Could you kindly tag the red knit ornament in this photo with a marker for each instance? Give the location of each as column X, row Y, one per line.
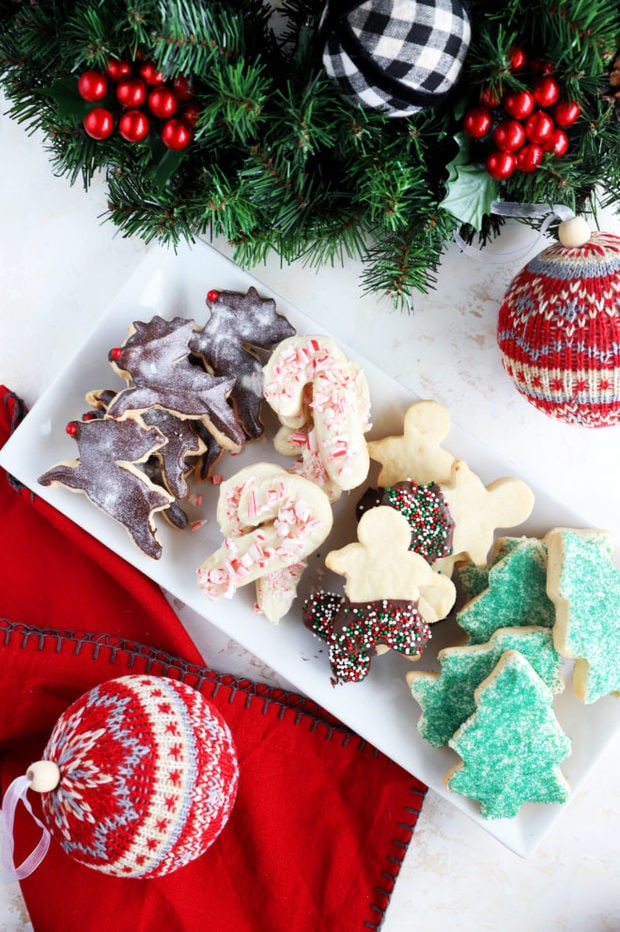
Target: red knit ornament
column 148, row 776
column 559, row 331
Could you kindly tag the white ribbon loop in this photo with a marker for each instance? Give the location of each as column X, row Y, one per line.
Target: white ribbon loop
column 17, row 791
column 547, row 212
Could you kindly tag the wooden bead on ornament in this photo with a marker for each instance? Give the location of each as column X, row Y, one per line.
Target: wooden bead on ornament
column 393, row 55
column 559, row 328
column 138, row 778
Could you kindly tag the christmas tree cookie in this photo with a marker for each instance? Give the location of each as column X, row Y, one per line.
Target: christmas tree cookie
column 473, row 578
column 447, row 698
column 512, row 745
column 584, row 586
column 516, row 594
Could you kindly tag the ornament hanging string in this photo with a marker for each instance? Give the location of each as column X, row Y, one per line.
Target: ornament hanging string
column 547, row 212
column 17, row 791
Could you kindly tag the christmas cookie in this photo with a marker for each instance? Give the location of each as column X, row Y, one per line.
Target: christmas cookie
column 516, row 594
column 447, row 698
column 391, row 597
column 107, row 472
column 424, row 506
column 584, row 586
column 239, row 326
column 155, row 362
column 474, row 579
column 273, row 520
column 512, row 745
column 417, row 454
column 322, row 401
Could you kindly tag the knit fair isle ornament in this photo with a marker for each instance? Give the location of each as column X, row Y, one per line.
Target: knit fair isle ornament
column 138, row 778
column 396, row 56
column 559, row 328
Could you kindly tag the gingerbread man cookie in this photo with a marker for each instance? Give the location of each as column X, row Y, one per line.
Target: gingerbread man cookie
column 391, row 597
column 417, row 453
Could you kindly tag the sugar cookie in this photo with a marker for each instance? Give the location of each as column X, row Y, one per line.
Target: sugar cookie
column 321, row 398
column 417, row 454
column 516, row 594
column 155, row 362
column 272, row 520
column 107, row 473
column 512, row 745
column 584, row 586
column 447, row 698
column 239, row 325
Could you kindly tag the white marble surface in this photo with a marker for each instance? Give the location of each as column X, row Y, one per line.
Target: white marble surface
column 59, row 269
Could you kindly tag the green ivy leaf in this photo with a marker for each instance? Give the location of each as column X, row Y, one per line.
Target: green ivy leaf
column 70, row 105
column 470, row 190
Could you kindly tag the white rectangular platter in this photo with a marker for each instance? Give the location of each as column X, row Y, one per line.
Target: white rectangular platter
column 380, row 709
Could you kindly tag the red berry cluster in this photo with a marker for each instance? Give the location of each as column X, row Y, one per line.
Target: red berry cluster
column 523, row 124
column 143, row 94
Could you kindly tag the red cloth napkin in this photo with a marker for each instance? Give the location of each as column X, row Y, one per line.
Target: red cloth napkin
column 322, row 820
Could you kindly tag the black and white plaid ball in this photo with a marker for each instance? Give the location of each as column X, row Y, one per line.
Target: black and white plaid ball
column 398, row 56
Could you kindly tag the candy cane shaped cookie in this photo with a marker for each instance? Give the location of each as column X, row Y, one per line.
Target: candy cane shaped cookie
column 273, row 520
column 322, row 401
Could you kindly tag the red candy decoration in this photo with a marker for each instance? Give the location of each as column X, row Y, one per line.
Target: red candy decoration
column 92, row 86
column 212, row 296
column 115, row 353
column 163, row 102
column 72, row 429
column 509, row 135
column 131, row 92
column 519, row 104
column 134, row 126
column 539, row 126
column 176, row 133
column 500, row 165
column 98, row 123
column 566, row 112
column 477, row 122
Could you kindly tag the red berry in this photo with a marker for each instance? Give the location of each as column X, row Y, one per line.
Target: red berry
column 518, row 59
column 98, row 123
column 72, row 429
column 117, row 69
column 133, row 126
column 115, row 353
column 489, row 98
column 539, row 126
column 557, row 142
column 542, row 66
column 518, row 104
column 92, row 86
column 191, row 112
column 212, row 296
column 163, row 102
column 477, row 122
column 501, row 165
column 182, row 87
column 546, row 91
column 131, row 92
column 176, row 133
column 566, row 112
column 509, row 135
column 149, row 73
column 529, row 157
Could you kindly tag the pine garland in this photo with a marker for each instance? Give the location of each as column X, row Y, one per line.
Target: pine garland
column 279, row 161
